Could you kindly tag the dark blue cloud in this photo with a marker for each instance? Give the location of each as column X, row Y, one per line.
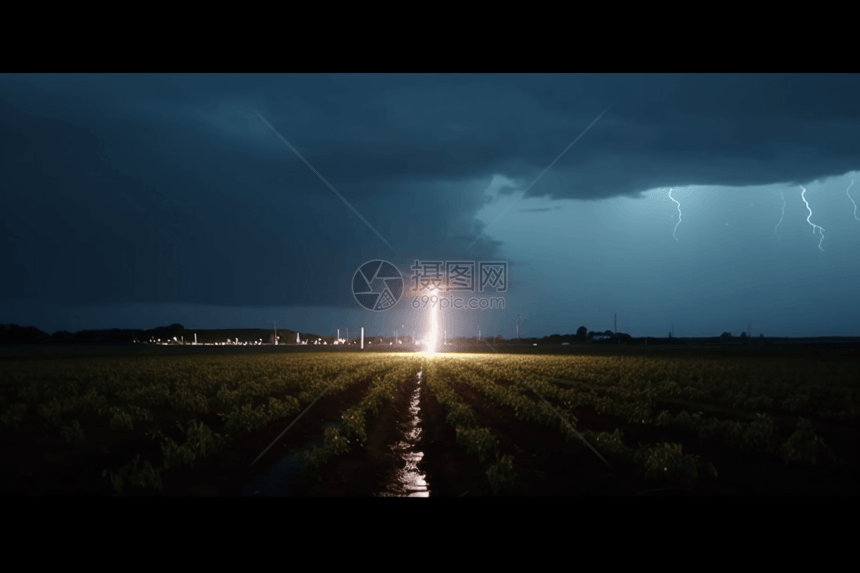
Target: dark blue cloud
column 169, row 188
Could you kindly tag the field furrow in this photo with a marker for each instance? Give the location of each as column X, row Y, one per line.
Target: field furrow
column 458, row 424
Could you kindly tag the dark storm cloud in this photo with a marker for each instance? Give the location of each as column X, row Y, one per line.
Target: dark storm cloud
column 169, row 188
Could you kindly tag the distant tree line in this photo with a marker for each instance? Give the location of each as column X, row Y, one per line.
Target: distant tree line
column 14, row 334
column 174, row 333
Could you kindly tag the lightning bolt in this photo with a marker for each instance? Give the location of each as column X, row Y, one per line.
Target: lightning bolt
column 814, row 226
column 852, row 200
column 679, row 213
column 783, row 212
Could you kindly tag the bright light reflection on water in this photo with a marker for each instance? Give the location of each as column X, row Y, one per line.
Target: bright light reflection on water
column 409, row 482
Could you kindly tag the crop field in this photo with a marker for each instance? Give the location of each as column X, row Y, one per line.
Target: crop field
column 409, row 424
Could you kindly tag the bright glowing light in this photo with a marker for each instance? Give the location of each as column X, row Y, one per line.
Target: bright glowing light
column 434, row 331
column 783, row 212
column 679, row 213
column 852, row 200
column 814, row 226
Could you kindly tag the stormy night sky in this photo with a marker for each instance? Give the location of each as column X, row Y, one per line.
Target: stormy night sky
column 232, row 201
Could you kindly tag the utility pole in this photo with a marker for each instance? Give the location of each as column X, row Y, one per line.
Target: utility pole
column 616, row 329
column 276, row 333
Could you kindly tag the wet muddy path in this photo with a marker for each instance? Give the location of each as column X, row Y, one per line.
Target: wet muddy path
column 384, row 465
column 409, row 481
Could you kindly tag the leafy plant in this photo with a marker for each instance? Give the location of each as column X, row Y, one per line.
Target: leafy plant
column 14, row 415
column 335, row 443
column 51, row 412
column 795, row 402
column 684, row 421
column 709, row 428
column 201, row 440
column 804, row 446
column 460, row 416
column 353, row 424
column 185, row 400
column 147, row 396
column 760, row 433
column 73, row 433
column 667, row 460
column 501, row 474
column 146, row 476
column 478, row 441
column 121, row 419
column 312, row 461
column 612, row 444
column 245, row 419
column 177, row 455
column 30, row 393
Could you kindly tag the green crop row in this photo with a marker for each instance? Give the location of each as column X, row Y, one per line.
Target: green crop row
column 657, row 461
column 246, row 419
column 127, row 392
column 826, row 389
column 636, row 406
column 337, row 439
column 803, row 446
column 14, row 415
column 477, row 441
column 200, row 442
column 662, row 461
column 514, row 396
column 145, row 476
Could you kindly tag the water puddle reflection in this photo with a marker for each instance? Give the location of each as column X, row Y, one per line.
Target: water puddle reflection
column 408, row 482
